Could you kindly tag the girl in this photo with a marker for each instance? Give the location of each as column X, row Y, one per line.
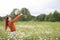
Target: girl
column 10, row 23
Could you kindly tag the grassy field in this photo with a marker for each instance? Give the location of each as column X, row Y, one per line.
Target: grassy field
column 33, row 31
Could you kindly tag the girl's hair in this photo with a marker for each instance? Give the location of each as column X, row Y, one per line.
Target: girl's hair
column 6, row 21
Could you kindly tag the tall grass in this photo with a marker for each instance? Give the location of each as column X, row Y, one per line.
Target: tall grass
column 32, row 30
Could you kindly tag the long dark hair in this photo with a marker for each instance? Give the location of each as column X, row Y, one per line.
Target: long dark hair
column 6, row 21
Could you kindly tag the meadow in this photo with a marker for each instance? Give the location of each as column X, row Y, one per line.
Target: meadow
column 32, row 30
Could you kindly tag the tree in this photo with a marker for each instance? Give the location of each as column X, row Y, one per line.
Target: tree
column 26, row 13
column 41, row 17
column 13, row 13
column 1, row 18
column 33, row 18
column 49, row 17
column 56, row 16
column 53, row 16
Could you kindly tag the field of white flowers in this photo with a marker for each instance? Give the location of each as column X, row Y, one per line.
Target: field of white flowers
column 32, row 31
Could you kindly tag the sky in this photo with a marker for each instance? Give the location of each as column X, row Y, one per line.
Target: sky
column 35, row 7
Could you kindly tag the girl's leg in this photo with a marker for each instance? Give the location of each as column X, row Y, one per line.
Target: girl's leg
column 13, row 34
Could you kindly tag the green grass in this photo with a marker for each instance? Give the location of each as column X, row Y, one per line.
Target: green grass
column 33, row 30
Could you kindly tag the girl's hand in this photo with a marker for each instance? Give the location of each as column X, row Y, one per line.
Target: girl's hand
column 20, row 14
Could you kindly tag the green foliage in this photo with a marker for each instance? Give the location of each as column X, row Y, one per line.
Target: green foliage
column 1, row 18
column 27, row 16
column 56, row 16
column 53, row 17
column 48, row 17
column 41, row 17
column 13, row 13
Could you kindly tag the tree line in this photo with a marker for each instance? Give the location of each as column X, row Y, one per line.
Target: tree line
column 52, row 17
